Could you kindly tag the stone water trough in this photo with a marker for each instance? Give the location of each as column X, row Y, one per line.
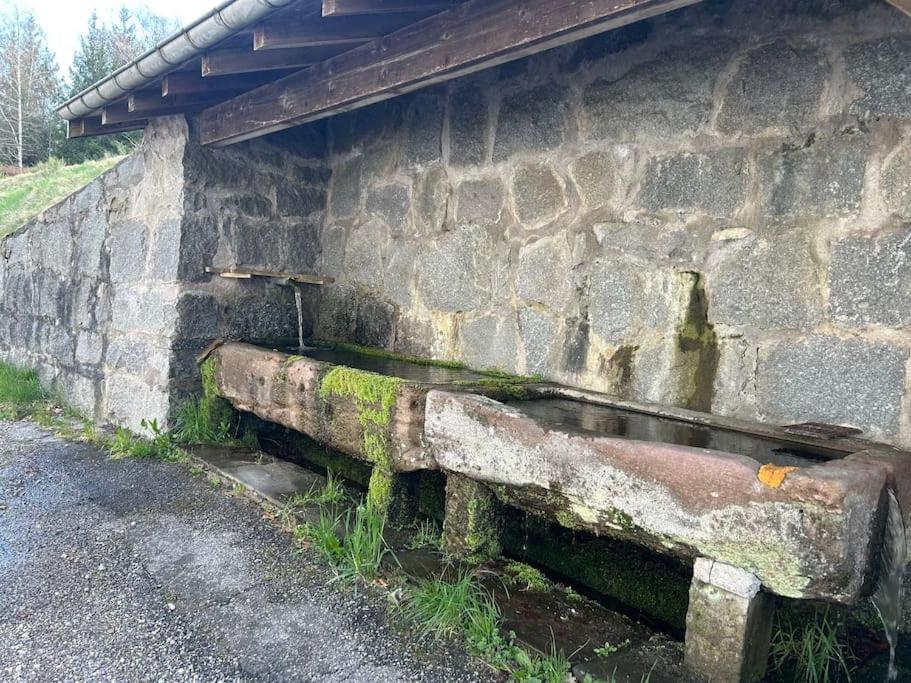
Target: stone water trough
column 760, row 511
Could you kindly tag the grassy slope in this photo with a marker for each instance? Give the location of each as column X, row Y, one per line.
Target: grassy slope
column 25, row 196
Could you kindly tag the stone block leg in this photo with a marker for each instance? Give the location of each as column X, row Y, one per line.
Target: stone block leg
column 471, row 528
column 728, row 624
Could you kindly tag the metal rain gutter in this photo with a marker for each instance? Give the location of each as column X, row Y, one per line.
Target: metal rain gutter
column 225, row 20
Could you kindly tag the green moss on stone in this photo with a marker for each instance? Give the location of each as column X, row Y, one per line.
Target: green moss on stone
column 648, row 585
column 374, row 397
column 697, row 349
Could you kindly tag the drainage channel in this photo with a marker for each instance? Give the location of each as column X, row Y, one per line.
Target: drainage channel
column 545, row 611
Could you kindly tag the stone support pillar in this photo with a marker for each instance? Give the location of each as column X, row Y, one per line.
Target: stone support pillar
column 471, row 528
column 728, row 624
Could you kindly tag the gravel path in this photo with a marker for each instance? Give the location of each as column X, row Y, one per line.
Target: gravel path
column 140, row 571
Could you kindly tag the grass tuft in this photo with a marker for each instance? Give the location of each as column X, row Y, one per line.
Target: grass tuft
column 426, row 536
column 812, row 651
column 20, row 391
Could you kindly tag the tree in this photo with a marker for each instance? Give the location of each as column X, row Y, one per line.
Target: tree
column 29, row 86
column 103, row 48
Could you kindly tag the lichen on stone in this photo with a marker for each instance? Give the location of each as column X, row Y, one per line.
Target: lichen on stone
column 774, row 476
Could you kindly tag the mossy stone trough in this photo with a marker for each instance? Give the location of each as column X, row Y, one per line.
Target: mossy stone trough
column 758, row 510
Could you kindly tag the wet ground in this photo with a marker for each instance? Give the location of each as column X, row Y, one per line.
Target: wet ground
column 138, row 570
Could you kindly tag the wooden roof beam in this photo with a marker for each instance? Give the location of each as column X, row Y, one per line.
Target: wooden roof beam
column 92, row 126
column 181, row 83
column 288, row 30
column 150, row 102
column 242, row 61
column 474, row 36
column 340, row 8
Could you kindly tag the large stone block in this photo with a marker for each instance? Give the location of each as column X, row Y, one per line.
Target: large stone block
column 870, row 280
column 544, row 273
column 145, row 358
column 879, row 68
column 776, row 86
column 597, row 177
column 468, row 126
column 89, row 348
column 399, row 272
column 391, row 204
column 533, row 121
column 266, row 314
column 197, row 319
column 300, row 241
column 431, row 200
column 345, row 200
column 824, row 179
column 90, row 234
column 896, row 181
column 490, row 343
column 424, row 129
column 668, row 98
column 198, row 246
column 480, row 202
column 713, row 182
column 538, row 333
column 765, row 283
column 829, row 379
column 456, row 272
column 628, row 297
column 150, row 310
column 538, row 193
column 128, row 401
column 128, row 244
column 165, row 245
column 364, row 254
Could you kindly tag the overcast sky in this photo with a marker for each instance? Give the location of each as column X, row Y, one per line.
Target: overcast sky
column 64, row 20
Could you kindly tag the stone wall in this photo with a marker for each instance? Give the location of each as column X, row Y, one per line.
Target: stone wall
column 710, row 209
column 106, row 293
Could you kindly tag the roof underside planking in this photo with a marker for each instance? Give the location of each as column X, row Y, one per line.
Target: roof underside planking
column 314, row 58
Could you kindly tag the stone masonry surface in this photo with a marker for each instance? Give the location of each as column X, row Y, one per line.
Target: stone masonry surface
column 709, row 209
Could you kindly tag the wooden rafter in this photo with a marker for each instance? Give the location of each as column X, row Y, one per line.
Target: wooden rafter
column 150, row 103
column 194, row 83
column 338, row 8
column 288, row 30
column 91, row 126
column 474, row 36
column 242, row 60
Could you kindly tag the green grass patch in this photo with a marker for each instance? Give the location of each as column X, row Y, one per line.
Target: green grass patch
column 20, row 391
column 463, row 609
column 812, row 650
column 24, row 196
column 427, row 536
column 358, row 551
column 160, row 446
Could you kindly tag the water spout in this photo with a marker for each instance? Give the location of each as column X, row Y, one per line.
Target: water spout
column 889, row 593
column 300, row 316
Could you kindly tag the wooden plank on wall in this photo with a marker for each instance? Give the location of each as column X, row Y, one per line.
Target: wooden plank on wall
column 475, row 36
column 338, row 8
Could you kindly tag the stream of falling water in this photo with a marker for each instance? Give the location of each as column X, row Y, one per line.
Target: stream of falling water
column 300, row 316
column 888, row 596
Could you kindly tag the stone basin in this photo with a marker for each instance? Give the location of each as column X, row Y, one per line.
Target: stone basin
column 364, row 403
column 803, row 515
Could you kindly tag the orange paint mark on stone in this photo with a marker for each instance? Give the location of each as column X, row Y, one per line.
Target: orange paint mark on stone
column 774, row 475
